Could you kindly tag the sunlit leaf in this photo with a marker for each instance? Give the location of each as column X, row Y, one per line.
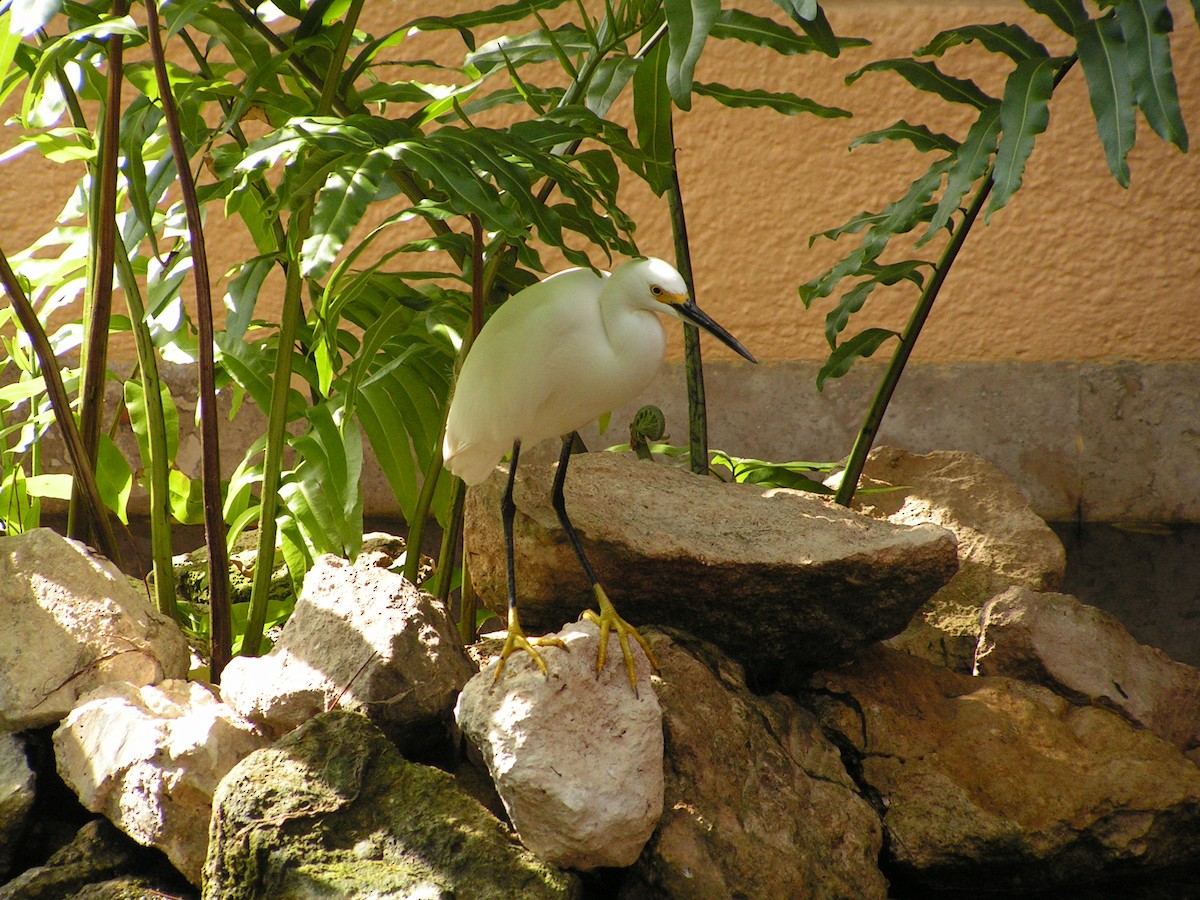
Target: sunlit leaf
column 652, row 115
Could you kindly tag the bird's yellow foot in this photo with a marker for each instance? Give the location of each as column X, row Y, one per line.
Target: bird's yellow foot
column 608, row 620
column 516, row 640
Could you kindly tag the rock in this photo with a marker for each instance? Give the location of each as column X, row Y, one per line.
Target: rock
column 16, row 796
column 576, row 758
column 1001, row 542
column 334, row 810
column 69, row 621
column 992, row 781
column 1087, row 656
column 150, row 759
column 782, row 581
column 361, row 638
column 757, row 801
column 98, row 853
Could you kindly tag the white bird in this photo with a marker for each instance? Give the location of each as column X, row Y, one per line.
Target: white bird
column 556, row 356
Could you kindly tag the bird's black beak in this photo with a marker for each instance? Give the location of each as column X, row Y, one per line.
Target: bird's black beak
column 690, row 312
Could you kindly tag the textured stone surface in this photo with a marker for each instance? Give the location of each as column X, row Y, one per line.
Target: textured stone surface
column 16, row 795
column 1001, row 541
column 69, row 621
column 783, row 582
column 576, row 758
column 97, row 854
column 333, row 810
column 757, row 801
column 995, row 781
column 150, row 759
column 1087, row 656
column 361, row 638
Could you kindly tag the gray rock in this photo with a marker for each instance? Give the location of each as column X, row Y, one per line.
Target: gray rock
column 577, row 758
column 1087, row 656
column 361, row 638
column 16, row 796
column 992, row 781
column 757, row 801
column 150, row 759
column 333, row 810
column 97, row 854
column 69, row 621
column 783, row 582
column 1001, row 541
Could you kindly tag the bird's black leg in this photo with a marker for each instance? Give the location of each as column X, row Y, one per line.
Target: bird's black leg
column 516, row 639
column 607, row 619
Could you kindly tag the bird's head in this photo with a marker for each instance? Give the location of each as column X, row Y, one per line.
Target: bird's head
column 656, row 285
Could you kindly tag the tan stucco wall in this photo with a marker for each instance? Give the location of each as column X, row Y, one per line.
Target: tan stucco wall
column 1077, row 268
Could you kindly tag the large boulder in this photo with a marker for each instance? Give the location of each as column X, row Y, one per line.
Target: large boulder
column 1002, row 542
column 758, row 803
column 16, row 796
column 992, row 781
column 362, row 638
column 782, row 581
column 334, row 810
column 69, row 622
column 576, row 757
column 150, row 758
column 1086, row 655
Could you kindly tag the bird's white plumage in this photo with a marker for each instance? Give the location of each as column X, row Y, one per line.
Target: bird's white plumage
column 555, row 357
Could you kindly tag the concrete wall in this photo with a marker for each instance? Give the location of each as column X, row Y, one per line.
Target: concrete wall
column 1064, row 346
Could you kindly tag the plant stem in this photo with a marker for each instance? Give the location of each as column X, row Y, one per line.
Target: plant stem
column 159, row 471
column 693, row 366
column 85, row 476
column 98, row 305
column 214, row 523
column 908, row 340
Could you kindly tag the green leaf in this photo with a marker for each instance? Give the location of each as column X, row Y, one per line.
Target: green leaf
column 135, row 402
column 608, row 81
column 1024, row 114
column 30, row 15
column 760, row 31
column 496, row 15
column 918, row 135
column 817, row 27
column 688, row 24
column 1011, row 40
column 186, row 497
column 1105, row 60
column 788, row 104
column 534, row 47
column 1066, row 14
column 970, row 163
column 340, row 206
column 114, row 478
column 1146, row 25
column 852, row 301
column 926, row 76
column 57, row 487
column 652, row 115
column 863, row 344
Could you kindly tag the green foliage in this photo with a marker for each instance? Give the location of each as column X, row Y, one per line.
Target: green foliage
column 1124, row 52
column 301, row 129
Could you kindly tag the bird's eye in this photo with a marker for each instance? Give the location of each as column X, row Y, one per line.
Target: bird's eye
column 655, row 290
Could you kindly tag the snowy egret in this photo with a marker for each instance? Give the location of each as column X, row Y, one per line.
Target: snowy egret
column 556, row 356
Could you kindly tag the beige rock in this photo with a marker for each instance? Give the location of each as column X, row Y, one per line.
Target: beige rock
column 1086, row 655
column 784, row 582
column 998, row 782
column 757, row 801
column 576, row 758
column 150, row 759
column 1001, row 541
column 69, row 621
column 362, row 638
